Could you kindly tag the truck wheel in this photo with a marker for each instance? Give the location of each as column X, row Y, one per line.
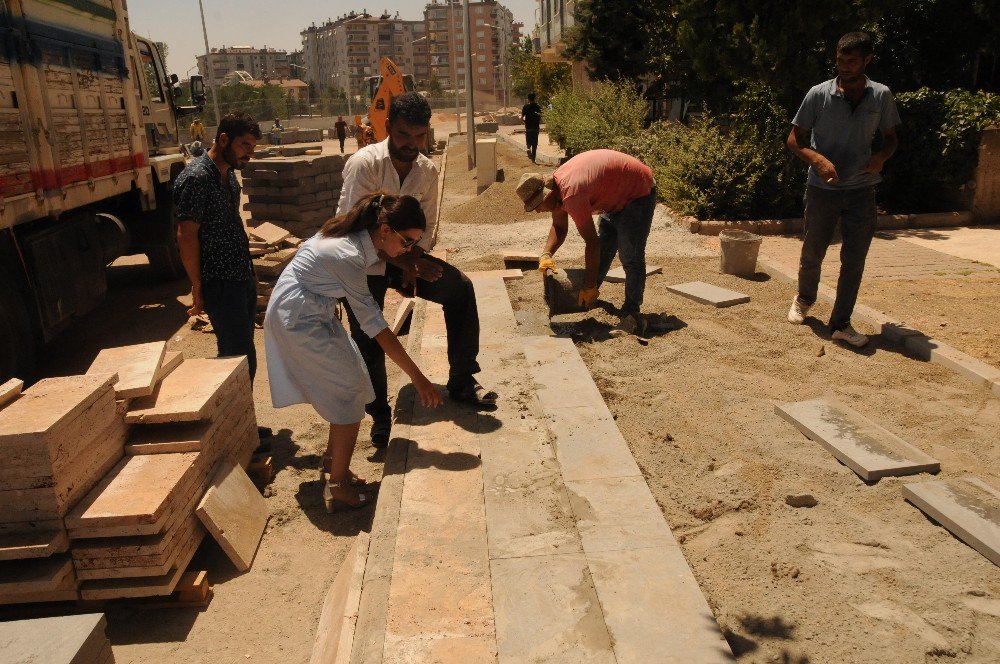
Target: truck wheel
column 164, row 256
column 17, row 338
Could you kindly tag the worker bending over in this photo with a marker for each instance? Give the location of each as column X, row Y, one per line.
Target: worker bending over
column 619, row 187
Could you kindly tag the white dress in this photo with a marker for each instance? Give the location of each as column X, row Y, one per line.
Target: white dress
column 311, row 358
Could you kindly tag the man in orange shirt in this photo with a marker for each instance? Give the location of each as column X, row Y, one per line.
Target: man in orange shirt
column 622, row 190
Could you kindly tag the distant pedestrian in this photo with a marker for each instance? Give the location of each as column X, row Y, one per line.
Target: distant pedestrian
column 197, row 131
column 341, row 128
column 622, row 190
column 531, row 115
column 845, row 115
column 275, row 132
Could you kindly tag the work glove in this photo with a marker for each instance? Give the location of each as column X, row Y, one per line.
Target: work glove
column 587, row 297
column 546, row 263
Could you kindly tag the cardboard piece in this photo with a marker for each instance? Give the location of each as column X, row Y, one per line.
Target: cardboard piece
column 235, row 514
column 704, row 293
column 968, row 508
column 868, row 449
column 136, row 367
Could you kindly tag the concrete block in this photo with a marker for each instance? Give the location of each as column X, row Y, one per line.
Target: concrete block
column 938, row 352
column 898, row 332
column 235, row 514
column 704, row 293
column 486, row 162
column 968, row 508
column 617, row 275
column 868, row 449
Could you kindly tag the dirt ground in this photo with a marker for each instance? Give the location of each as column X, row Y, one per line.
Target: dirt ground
column 861, row 577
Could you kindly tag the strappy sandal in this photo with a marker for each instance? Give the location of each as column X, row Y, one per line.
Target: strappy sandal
column 476, row 395
column 338, row 505
column 354, row 480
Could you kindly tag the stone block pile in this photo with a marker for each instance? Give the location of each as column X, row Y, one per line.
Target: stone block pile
column 296, row 193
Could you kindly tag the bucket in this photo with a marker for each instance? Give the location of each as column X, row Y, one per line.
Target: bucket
column 739, row 253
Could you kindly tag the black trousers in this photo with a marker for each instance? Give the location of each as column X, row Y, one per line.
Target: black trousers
column 341, row 139
column 455, row 293
column 232, row 307
column 531, row 140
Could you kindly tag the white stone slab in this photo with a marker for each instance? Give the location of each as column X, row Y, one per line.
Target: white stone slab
column 617, row 275
column 868, row 449
column 969, row 508
column 562, row 378
column 704, row 293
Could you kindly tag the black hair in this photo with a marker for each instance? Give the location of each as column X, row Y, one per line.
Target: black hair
column 399, row 212
column 856, row 41
column 238, row 124
column 411, row 108
column 531, row 96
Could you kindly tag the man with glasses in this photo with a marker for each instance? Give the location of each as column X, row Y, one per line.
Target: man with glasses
column 397, row 166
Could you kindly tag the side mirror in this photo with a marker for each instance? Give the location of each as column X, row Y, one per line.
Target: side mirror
column 198, row 89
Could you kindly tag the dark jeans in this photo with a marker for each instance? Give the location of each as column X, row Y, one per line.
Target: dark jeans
column 232, row 307
column 625, row 233
column 855, row 210
column 341, row 139
column 531, row 140
column 454, row 291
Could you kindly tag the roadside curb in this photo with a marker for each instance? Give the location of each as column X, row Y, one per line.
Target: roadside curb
column 886, row 222
column 919, row 345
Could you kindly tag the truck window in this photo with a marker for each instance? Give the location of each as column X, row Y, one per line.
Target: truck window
column 149, row 70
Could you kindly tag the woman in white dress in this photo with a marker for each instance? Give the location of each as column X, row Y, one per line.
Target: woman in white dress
column 311, row 358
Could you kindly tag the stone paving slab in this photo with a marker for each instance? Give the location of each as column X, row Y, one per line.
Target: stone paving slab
column 968, row 508
column 57, row 640
column 979, row 243
column 704, row 293
column 865, row 447
column 617, row 275
column 618, row 513
column 589, row 445
column 555, row 366
column 938, row 352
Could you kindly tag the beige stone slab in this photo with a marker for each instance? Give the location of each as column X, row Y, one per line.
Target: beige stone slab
column 704, row 293
column 150, row 586
column 441, row 648
column 79, row 639
column 506, row 275
column 36, row 574
column 868, row 449
column 136, row 366
column 269, row 233
column 522, row 256
column 547, row 610
column 938, row 352
column 189, row 393
column 235, row 514
column 10, row 391
column 337, row 621
column 968, row 508
column 618, row 513
column 589, row 445
column 36, row 543
column 402, row 314
column 171, row 360
column 188, row 535
column 47, row 404
column 561, row 377
column 617, row 275
column 168, row 438
column 654, row 609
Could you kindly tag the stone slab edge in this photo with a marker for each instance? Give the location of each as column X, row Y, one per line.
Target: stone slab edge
column 335, row 632
column 913, row 494
column 912, row 339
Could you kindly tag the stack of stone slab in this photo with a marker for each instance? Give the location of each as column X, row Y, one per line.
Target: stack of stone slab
column 298, row 193
column 135, row 533
column 272, row 248
column 295, row 135
column 78, row 639
column 57, row 440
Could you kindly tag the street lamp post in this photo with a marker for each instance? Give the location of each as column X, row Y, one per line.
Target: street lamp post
column 454, row 62
column 470, row 108
column 208, row 67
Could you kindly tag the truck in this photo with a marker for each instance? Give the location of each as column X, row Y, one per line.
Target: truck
column 89, row 149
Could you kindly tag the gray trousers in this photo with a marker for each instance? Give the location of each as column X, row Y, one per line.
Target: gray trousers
column 855, row 210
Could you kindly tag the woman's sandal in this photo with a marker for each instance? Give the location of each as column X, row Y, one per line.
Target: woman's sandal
column 337, row 504
column 475, row 394
column 353, row 481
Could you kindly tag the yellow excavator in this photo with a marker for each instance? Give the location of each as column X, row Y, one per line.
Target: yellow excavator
column 382, row 90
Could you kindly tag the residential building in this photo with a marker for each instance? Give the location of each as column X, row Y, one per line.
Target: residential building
column 297, row 63
column 555, row 18
column 492, row 32
column 260, row 63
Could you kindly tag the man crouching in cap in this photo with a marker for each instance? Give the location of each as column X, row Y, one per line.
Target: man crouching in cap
column 619, row 187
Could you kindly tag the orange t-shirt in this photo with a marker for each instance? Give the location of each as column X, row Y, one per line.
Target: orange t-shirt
column 601, row 181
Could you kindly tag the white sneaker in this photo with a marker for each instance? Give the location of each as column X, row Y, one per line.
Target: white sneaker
column 851, row 336
column 797, row 314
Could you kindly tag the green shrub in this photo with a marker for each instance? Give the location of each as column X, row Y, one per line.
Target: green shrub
column 938, row 146
column 580, row 121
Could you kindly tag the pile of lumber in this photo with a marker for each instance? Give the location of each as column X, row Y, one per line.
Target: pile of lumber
column 299, row 193
column 103, row 472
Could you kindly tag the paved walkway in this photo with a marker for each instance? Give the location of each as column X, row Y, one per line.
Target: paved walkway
column 548, row 153
column 976, row 243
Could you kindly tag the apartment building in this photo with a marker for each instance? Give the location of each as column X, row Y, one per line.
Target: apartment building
column 346, row 51
column 554, row 18
column 492, row 32
column 260, row 63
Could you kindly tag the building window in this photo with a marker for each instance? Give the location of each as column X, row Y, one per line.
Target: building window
column 482, row 70
column 482, row 81
column 481, row 34
column 481, row 58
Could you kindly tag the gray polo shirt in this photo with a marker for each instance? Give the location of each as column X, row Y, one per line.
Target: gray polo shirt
column 844, row 135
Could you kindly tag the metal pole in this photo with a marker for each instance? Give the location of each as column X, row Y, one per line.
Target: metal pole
column 470, row 108
column 454, row 62
column 208, row 66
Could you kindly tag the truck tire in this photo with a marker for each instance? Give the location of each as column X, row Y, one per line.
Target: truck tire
column 163, row 254
column 17, row 338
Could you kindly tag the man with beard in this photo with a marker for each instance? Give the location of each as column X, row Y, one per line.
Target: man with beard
column 214, row 247
column 845, row 115
column 397, row 167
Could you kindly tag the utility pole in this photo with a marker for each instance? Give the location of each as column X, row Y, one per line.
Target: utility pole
column 454, row 62
column 208, row 67
column 470, row 122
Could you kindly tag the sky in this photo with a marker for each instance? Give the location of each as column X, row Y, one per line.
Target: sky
column 258, row 23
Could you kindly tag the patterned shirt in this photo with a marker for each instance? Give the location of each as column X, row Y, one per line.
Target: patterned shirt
column 200, row 196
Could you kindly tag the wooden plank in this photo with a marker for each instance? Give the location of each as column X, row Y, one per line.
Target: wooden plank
column 36, row 543
column 135, row 365
column 235, row 514
column 868, row 449
column 190, row 392
column 617, row 275
column 269, row 233
column 10, row 391
column 968, row 508
column 402, row 314
column 48, row 404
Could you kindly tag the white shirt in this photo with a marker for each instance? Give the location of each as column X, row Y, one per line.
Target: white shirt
column 370, row 169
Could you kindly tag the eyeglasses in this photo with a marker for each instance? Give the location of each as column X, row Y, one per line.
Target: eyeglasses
column 405, row 241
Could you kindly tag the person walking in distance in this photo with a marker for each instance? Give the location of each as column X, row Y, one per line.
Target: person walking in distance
column 844, row 115
column 340, row 127
column 531, row 115
column 214, row 247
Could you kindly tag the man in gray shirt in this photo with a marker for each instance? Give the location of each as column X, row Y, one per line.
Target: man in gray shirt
column 845, row 115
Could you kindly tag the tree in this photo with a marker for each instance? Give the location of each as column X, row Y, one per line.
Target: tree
column 529, row 74
column 617, row 39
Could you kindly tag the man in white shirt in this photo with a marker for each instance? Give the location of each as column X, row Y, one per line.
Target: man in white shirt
column 397, row 167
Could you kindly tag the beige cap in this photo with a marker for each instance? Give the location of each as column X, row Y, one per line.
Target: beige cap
column 531, row 189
